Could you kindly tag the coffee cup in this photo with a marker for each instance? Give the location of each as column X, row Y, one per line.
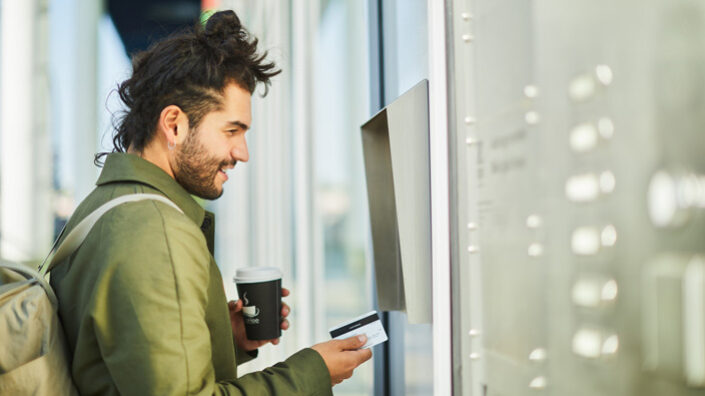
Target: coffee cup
column 260, row 291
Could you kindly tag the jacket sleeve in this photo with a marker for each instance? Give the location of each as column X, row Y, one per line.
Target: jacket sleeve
column 149, row 319
column 244, row 356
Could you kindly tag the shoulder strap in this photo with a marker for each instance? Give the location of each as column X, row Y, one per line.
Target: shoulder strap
column 33, row 276
column 75, row 238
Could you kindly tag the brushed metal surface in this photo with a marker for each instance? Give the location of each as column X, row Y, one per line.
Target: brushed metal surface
column 396, row 150
column 575, row 107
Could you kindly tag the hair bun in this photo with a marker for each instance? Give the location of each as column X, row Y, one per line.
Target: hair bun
column 222, row 26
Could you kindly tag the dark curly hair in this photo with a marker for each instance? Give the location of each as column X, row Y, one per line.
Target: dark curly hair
column 189, row 70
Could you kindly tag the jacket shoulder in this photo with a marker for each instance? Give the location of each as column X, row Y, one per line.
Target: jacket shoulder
column 149, row 222
column 144, row 236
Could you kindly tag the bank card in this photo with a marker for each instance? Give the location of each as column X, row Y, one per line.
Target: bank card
column 367, row 324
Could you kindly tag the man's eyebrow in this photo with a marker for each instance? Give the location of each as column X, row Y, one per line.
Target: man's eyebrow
column 239, row 124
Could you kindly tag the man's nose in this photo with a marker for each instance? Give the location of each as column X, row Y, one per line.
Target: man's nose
column 239, row 152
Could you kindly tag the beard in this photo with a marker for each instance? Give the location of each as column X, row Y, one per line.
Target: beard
column 195, row 170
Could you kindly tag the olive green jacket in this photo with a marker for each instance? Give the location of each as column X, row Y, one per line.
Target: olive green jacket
column 143, row 304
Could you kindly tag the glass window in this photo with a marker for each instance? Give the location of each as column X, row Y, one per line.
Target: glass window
column 340, row 107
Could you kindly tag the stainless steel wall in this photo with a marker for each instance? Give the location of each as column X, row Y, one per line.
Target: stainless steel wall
column 576, row 262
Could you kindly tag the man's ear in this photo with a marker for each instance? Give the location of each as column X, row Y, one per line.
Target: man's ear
column 173, row 125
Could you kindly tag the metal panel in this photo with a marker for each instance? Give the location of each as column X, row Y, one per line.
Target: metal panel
column 383, row 214
column 409, row 137
column 396, row 151
column 579, row 271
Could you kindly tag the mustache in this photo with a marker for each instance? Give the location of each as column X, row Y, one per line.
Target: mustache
column 228, row 163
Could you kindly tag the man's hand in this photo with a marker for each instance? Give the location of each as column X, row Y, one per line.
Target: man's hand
column 238, row 324
column 343, row 356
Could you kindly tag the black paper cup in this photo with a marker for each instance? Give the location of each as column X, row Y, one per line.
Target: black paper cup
column 260, row 291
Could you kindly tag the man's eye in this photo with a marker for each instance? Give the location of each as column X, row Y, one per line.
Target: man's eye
column 233, row 131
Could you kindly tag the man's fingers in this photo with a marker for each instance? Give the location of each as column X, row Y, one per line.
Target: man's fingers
column 363, row 355
column 285, row 310
column 235, row 306
column 285, row 324
column 352, row 343
column 285, row 292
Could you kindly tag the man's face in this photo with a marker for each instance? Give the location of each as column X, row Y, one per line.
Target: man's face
column 215, row 145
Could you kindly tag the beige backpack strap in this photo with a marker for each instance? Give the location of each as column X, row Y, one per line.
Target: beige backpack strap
column 75, row 238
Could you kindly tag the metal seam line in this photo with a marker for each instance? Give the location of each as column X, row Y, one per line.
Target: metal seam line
column 440, row 226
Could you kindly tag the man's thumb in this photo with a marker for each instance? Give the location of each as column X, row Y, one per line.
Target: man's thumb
column 353, row 343
column 235, row 305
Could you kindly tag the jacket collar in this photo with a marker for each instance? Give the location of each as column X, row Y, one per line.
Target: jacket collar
column 123, row 167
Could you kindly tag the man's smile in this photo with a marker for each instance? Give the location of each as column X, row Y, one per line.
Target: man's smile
column 223, row 170
column 222, row 173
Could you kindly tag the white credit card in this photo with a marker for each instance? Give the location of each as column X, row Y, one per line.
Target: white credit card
column 367, row 324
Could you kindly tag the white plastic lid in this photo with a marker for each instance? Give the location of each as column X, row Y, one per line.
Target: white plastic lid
column 257, row 274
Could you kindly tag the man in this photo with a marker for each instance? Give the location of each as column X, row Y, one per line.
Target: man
column 142, row 300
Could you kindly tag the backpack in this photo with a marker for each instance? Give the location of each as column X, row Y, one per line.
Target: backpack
column 34, row 356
